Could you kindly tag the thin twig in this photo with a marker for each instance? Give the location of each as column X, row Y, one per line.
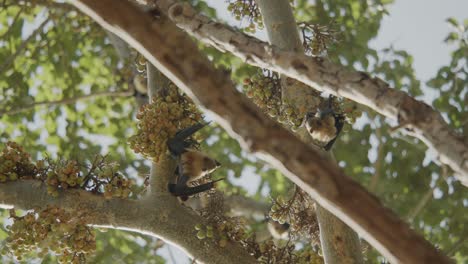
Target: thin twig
column 422, row 203
column 65, row 101
column 378, row 162
column 426, row 198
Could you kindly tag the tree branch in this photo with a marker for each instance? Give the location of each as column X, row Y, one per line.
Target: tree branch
column 155, row 218
column 163, row 170
column 427, row 197
column 177, row 57
column 420, row 205
column 422, row 121
column 66, row 101
column 340, row 244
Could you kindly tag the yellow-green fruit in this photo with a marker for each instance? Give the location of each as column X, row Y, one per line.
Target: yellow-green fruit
column 201, row 234
column 223, row 243
column 13, row 176
column 198, row 226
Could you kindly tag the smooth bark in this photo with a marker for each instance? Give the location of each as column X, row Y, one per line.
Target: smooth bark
column 163, row 218
column 178, row 58
column 340, row 244
column 421, row 120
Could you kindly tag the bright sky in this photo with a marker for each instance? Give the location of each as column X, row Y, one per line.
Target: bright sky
column 419, row 27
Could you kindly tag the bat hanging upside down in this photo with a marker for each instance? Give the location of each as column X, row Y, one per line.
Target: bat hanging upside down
column 192, row 164
column 325, row 125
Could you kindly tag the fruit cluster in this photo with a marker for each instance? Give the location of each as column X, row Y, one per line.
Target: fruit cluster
column 101, row 178
column 115, row 184
column 307, row 255
column 62, row 175
column 350, row 110
column 207, row 232
column 299, row 213
column 264, row 88
column 52, row 229
column 15, row 163
column 140, row 63
column 169, row 112
column 247, row 9
column 269, row 252
column 316, row 39
column 226, row 230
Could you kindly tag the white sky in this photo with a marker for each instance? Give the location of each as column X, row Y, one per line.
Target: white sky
column 419, row 27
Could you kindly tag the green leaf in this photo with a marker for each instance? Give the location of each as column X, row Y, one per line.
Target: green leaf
column 452, row 21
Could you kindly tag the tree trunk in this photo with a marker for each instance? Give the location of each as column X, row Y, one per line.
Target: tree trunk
column 340, row 244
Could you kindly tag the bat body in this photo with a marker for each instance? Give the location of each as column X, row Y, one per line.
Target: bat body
column 192, row 164
column 325, row 125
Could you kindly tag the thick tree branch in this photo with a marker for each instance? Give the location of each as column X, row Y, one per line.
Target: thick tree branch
column 65, row 101
column 422, row 121
column 179, row 59
column 340, row 244
column 163, row 218
column 162, row 171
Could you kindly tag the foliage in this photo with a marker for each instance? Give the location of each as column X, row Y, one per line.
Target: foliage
column 159, row 121
column 247, row 9
column 226, row 229
column 102, row 177
column 50, row 52
column 451, row 81
column 299, row 213
column 51, row 229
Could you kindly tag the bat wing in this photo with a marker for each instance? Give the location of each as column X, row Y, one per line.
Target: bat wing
column 339, row 123
column 189, row 191
column 178, row 143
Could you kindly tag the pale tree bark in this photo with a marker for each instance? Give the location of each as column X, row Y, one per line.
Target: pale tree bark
column 163, row 217
column 177, row 57
column 420, row 119
column 163, row 170
column 340, row 244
